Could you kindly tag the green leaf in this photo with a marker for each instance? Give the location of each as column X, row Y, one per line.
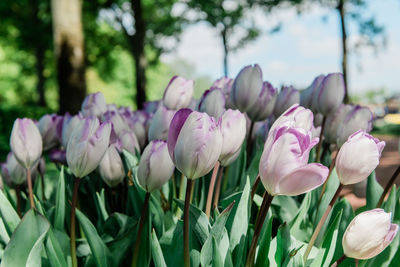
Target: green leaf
column 217, row 258
column 374, row 191
column 263, row 249
column 5, row 237
column 284, row 207
column 390, row 203
column 172, row 245
column 282, row 244
column 8, row 214
column 235, row 173
column 102, row 205
column 300, row 226
column 59, row 216
column 156, row 252
column 54, row 251
column 97, row 246
column 26, row 243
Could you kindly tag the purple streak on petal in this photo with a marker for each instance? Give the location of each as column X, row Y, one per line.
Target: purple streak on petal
column 175, row 128
column 85, row 130
column 170, row 82
column 291, row 110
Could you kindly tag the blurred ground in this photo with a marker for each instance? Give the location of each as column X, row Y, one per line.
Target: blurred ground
column 389, row 162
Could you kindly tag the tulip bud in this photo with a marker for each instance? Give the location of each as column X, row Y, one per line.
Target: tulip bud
column 358, row 157
column 159, row 125
column 330, row 93
column 287, row 97
column 307, row 95
column 359, row 118
column 213, row 102
column 265, row 103
column 129, row 142
column 333, row 122
column 155, row 166
column 50, row 127
column 194, row 142
column 13, row 170
column 137, row 122
column 283, row 165
column 58, row 156
column 247, row 87
column 179, row 93
column 152, row 106
column 368, row 234
column 233, row 128
column 70, row 123
column 118, row 123
column 26, row 142
column 111, row 167
column 225, row 84
column 87, row 145
column 94, row 105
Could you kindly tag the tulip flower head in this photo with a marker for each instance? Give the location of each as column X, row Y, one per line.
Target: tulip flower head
column 155, row 166
column 334, row 121
column 87, row 146
column 13, row 171
column 358, row 157
column 111, row 167
column 129, row 142
column 265, row 103
column 94, row 105
column 50, row 127
column 194, row 142
column 287, row 97
column 368, row 234
column 179, row 93
column 307, row 95
column 160, row 122
column 284, row 168
column 70, row 123
column 330, row 93
column 26, row 142
column 213, row 102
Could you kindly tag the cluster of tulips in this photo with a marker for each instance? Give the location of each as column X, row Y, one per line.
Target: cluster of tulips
column 285, row 135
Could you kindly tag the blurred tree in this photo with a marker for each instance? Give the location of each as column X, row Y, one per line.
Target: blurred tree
column 26, row 25
column 148, row 27
column 69, row 51
column 229, row 18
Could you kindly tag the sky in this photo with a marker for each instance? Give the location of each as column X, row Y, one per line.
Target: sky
column 306, row 46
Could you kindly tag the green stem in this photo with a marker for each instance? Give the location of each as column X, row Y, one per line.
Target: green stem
column 29, row 179
column 339, row 261
column 186, row 251
column 218, row 187
column 72, row 229
column 388, row 186
column 139, row 233
column 18, row 193
column 254, row 188
column 42, row 184
column 211, row 189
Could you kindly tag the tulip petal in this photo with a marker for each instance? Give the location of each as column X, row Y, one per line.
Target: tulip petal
column 175, row 128
column 303, row 179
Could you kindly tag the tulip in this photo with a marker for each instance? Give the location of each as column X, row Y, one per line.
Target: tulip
column 358, row 157
column 287, row 97
column 179, row 93
column 264, row 106
column 296, row 116
column 194, row 142
column 58, row 156
column 368, row 234
column 111, row 167
column 117, row 121
column 13, row 170
column 261, row 130
column 247, row 87
column 70, row 123
column 160, row 122
column 330, row 93
column 333, row 122
column 50, row 127
column 26, row 142
column 359, row 118
column 129, row 142
column 138, row 123
column 94, row 105
column 87, row 145
column 152, row 106
column 233, row 127
column 213, row 102
column 225, row 84
column 155, row 166
column 307, row 95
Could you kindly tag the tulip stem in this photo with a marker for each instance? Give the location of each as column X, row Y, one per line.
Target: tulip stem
column 28, row 176
column 388, row 186
column 211, row 189
column 321, row 222
column 186, row 251
column 254, row 188
column 139, row 232
column 339, row 261
column 42, row 184
column 18, row 193
column 218, row 187
column 321, row 135
column 258, row 226
column 72, row 229
column 249, row 143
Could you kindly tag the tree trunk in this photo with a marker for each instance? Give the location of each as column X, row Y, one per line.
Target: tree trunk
column 69, row 50
column 39, row 53
column 341, row 10
column 137, row 42
column 226, row 51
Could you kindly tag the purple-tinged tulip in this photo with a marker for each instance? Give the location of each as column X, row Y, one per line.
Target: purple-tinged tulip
column 13, row 170
column 58, row 156
column 330, row 93
column 94, row 105
column 261, row 130
column 359, row 118
column 117, row 121
column 138, row 122
column 70, row 123
column 87, row 146
column 233, row 127
column 283, row 165
column 368, row 234
column 333, row 122
column 129, row 142
column 194, row 142
column 287, row 97
column 225, row 84
column 318, row 118
column 152, row 106
column 213, row 102
column 111, row 167
column 247, row 87
column 307, row 95
column 159, row 125
column 26, row 142
column 111, row 108
column 358, row 157
column 179, row 93
column 155, row 166
column 264, row 106
column 50, row 127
